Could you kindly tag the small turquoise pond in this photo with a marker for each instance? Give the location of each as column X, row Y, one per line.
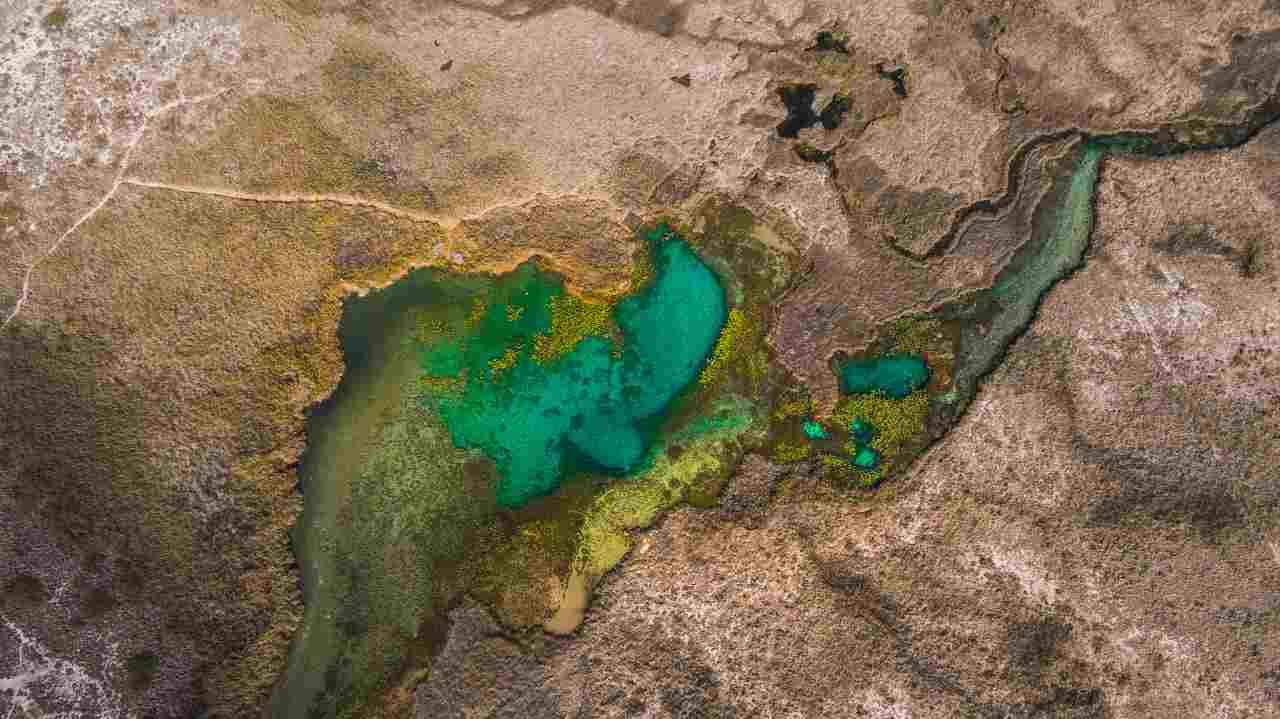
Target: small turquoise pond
column 895, row 375
column 813, row 430
column 866, row 458
column 598, row 406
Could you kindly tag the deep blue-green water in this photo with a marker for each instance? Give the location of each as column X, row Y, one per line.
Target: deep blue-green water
column 596, row 404
column 896, row 375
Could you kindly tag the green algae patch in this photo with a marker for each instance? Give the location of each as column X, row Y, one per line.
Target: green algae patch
column 590, row 406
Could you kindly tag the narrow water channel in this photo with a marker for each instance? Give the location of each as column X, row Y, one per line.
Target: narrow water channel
column 989, row 322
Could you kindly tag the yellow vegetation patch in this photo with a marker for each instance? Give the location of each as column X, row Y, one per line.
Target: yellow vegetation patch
column 897, row 421
column 794, row 408
column 642, row 269
column 838, row 464
column 740, row 345
column 506, row 361
column 604, row 537
column 866, row 477
column 428, row 329
column 730, row 341
column 441, row 385
column 572, row 320
column 791, row 452
column 915, row 336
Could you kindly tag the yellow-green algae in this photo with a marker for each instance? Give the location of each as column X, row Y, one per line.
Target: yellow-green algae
column 733, row 339
column 707, row 448
column 786, row 452
column 573, row 319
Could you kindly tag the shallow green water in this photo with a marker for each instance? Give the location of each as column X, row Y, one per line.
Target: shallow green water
column 598, row 405
column 814, row 430
column 355, row 464
column 896, row 375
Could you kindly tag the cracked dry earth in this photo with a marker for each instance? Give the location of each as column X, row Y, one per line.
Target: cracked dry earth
column 189, row 190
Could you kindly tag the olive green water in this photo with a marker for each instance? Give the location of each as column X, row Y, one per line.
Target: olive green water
column 443, row 372
column 378, row 477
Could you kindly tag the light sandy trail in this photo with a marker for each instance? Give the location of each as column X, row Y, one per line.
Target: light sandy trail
column 447, row 223
column 444, row 221
column 299, row 198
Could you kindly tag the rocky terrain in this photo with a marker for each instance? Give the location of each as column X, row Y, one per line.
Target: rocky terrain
column 189, row 190
column 1097, row 537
